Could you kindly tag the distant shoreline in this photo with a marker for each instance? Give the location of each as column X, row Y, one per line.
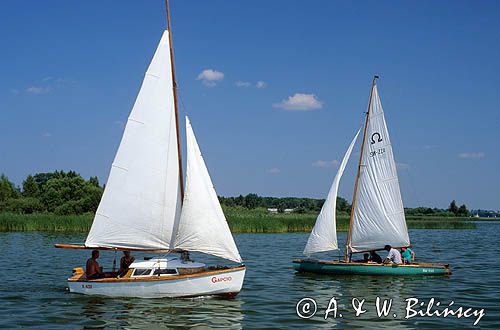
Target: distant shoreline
column 240, row 221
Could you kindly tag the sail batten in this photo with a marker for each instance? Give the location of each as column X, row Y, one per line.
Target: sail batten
column 323, row 237
column 140, row 205
column 378, row 217
column 202, row 226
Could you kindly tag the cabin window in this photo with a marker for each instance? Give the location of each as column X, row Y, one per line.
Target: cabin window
column 142, row 272
column 167, row 271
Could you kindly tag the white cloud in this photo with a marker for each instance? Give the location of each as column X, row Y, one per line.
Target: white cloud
column 430, row 146
column 38, row 90
column 210, row 77
column 240, row 83
column 325, row 163
column 300, row 101
column 63, row 82
column 49, row 84
column 402, row 166
column 273, row 170
column 261, row 84
column 46, row 135
column 471, row 155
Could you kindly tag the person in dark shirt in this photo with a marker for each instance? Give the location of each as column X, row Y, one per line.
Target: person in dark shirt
column 374, row 257
column 125, row 263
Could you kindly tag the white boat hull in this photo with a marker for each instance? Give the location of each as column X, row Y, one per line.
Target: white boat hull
column 213, row 283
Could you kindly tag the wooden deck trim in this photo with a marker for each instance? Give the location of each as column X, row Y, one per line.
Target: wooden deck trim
column 82, row 278
column 414, row 265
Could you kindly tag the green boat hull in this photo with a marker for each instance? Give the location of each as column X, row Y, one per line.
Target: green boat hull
column 354, row 268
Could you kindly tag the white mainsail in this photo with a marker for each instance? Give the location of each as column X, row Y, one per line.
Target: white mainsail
column 203, row 226
column 324, row 234
column 141, row 202
column 379, row 217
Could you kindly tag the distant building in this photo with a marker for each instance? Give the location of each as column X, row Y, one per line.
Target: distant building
column 485, row 213
column 275, row 210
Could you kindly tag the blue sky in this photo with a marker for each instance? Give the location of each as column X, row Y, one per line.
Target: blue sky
column 70, row 72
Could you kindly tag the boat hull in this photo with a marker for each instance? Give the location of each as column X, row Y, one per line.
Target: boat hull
column 354, row 268
column 225, row 283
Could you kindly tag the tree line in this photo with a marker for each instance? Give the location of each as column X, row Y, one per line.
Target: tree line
column 65, row 193
column 298, row 204
column 58, row 192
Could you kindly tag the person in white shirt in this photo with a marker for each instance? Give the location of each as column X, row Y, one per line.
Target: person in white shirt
column 393, row 257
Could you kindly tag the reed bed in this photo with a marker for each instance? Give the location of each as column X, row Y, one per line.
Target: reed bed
column 240, row 220
column 305, row 222
column 45, row 222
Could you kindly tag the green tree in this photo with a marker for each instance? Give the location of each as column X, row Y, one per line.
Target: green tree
column 23, row 205
column 59, row 190
column 453, row 207
column 240, row 201
column 7, row 189
column 30, row 187
column 93, row 180
column 462, row 211
column 300, row 210
column 251, row 201
column 343, row 205
column 281, row 207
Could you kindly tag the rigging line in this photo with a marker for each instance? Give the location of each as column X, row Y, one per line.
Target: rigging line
column 184, row 108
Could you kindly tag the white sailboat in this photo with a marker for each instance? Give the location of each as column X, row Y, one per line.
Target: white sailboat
column 377, row 216
column 145, row 208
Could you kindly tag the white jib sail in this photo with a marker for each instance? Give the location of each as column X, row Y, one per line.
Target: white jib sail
column 324, row 234
column 203, row 226
column 141, row 202
column 379, row 217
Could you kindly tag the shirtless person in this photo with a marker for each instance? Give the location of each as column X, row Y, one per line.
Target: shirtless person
column 125, row 263
column 92, row 269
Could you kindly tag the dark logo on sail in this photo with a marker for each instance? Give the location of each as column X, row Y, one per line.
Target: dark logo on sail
column 376, row 138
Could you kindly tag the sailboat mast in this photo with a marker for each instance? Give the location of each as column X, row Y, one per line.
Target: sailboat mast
column 174, row 88
column 359, row 171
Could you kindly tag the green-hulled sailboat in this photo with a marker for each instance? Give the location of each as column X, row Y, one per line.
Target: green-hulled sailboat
column 377, row 215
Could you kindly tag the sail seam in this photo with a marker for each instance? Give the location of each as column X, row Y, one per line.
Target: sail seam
column 136, row 121
column 117, row 166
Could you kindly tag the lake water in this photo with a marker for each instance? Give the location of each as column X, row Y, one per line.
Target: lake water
column 33, row 290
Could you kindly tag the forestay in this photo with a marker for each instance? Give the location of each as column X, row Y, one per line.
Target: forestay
column 324, row 234
column 378, row 215
column 141, row 202
column 202, row 226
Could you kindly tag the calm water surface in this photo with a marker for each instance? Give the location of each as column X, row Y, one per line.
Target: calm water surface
column 33, row 290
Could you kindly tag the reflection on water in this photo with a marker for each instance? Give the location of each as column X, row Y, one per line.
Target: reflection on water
column 161, row 313
column 33, row 290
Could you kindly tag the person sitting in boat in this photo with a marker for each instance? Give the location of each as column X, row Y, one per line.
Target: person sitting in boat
column 92, row 269
column 185, row 256
column 393, row 255
column 366, row 258
column 375, row 257
column 125, row 263
column 408, row 255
